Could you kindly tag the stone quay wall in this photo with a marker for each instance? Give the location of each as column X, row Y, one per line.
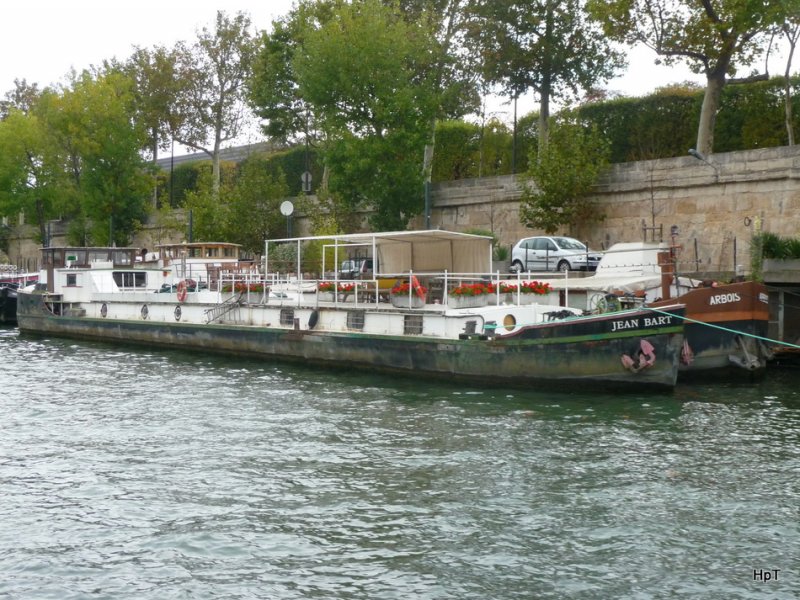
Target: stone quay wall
column 717, row 206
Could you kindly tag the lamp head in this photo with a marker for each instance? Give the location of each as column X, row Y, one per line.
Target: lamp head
column 696, row 154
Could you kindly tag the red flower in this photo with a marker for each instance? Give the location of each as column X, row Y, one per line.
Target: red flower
column 535, row 287
column 473, row 289
column 403, row 288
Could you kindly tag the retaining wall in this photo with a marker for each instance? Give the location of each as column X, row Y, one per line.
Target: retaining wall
column 717, row 206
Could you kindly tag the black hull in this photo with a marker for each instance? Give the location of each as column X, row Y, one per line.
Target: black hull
column 8, row 306
column 582, row 353
column 731, row 350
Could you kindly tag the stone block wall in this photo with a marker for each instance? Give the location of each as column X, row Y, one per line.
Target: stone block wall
column 717, row 205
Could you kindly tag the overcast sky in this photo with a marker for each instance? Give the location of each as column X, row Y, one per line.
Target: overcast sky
column 42, row 40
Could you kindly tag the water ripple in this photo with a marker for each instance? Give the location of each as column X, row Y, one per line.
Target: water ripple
column 145, row 474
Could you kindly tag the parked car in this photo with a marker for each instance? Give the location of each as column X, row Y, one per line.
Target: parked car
column 553, row 253
column 358, row 268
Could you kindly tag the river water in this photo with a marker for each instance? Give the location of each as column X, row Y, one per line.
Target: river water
column 128, row 473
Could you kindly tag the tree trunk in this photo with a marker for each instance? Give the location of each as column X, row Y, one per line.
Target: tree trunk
column 155, row 177
column 546, row 87
column 215, row 168
column 544, row 119
column 708, row 113
column 42, row 224
column 788, row 87
column 788, row 105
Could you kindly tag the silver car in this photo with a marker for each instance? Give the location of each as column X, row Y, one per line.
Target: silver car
column 553, row 253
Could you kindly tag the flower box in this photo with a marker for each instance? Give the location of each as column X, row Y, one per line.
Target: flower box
column 406, row 301
column 334, row 297
column 521, row 299
column 468, row 301
column 529, row 292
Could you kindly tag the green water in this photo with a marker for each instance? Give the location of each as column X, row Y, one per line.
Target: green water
column 143, row 474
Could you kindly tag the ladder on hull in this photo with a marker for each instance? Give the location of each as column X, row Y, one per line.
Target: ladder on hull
column 220, row 310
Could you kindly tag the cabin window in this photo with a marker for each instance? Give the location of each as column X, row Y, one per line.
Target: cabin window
column 195, row 252
column 355, row 319
column 228, row 252
column 121, row 258
column 287, row 316
column 93, row 257
column 72, row 279
column 130, row 279
column 212, row 252
column 412, row 325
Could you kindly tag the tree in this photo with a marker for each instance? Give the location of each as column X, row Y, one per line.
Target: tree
column 32, row 176
column 365, row 81
column 157, row 88
column 99, row 142
column 205, row 209
column 546, row 45
column 714, row 37
column 246, row 209
column 274, row 92
column 361, row 72
column 212, row 101
column 791, row 30
column 22, row 97
column 254, row 205
column 562, row 177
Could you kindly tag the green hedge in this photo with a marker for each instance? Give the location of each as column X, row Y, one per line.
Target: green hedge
column 660, row 125
column 664, row 124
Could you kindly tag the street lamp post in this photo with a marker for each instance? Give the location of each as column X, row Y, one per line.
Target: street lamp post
column 700, row 156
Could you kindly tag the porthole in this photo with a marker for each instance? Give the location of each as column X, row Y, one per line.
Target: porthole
column 509, row 322
column 104, row 310
column 145, row 311
column 177, row 313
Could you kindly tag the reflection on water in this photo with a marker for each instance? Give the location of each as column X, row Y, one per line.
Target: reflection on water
column 130, row 473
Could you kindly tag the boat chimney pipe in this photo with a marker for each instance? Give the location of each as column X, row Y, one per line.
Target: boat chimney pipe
column 667, row 272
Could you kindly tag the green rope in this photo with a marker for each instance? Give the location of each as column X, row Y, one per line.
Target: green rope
column 751, row 335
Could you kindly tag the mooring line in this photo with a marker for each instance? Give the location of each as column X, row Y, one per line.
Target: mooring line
column 720, row 327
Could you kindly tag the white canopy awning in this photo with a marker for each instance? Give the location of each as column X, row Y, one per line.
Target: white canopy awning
column 417, row 251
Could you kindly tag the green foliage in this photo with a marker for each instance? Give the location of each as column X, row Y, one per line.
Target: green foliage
column 210, row 106
column 114, row 184
column 247, row 209
column 549, row 47
column 291, row 164
column 562, row 177
column 204, row 210
column 254, row 205
column 182, row 179
column 466, row 150
column 31, row 171
column 5, row 237
column 658, row 125
column 282, row 258
column 484, row 232
column 776, row 247
column 500, row 252
column 715, row 39
column 767, row 245
column 663, row 124
column 364, row 75
column 380, row 173
column 753, row 116
column 457, row 151
column 273, row 92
